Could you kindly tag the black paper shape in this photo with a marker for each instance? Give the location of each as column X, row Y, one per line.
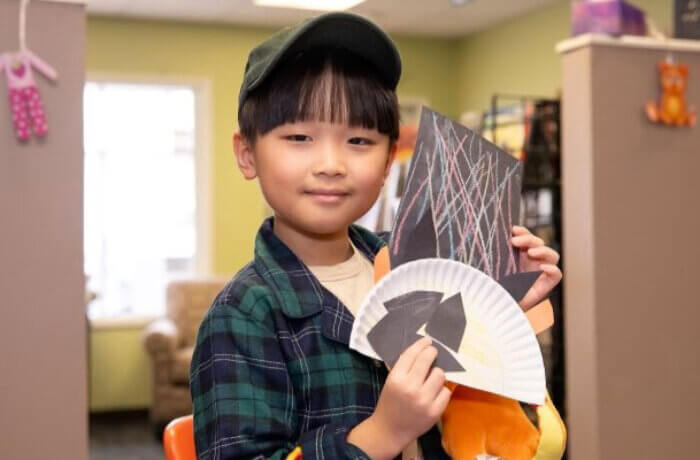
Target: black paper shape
column 415, row 300
column 448, row 322
column 461, row 201
column 518, row 284
column 397, row 330
column 445, row 360
column 424, row 240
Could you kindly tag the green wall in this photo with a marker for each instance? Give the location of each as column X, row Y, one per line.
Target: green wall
column 518, row 57
column 119, row 369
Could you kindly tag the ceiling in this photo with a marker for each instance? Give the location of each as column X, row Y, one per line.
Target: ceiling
column 415, row 17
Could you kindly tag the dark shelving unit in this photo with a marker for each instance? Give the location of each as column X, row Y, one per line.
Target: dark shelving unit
column 541, row 154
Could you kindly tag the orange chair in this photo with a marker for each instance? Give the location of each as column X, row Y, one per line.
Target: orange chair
column 178, row 439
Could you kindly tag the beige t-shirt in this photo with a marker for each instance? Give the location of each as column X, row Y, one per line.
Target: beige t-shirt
column 350, row 281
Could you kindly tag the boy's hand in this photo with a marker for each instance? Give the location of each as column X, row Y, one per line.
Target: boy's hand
column 534, row 255
column 412, row 401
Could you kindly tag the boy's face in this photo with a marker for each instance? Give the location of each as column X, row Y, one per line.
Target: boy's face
column 318, row 177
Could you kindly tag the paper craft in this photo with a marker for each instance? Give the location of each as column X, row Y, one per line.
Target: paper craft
column 461, row 201
column 518, row 284
column 494, row 345
column 448, row 322
column 381, row 264
column 476, row 422
column 398, row 329
column 455, row 274
column 541, row 316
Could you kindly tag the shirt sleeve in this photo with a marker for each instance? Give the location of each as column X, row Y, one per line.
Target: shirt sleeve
column 243, row 399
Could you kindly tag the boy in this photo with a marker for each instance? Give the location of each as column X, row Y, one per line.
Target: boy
column 272, row 372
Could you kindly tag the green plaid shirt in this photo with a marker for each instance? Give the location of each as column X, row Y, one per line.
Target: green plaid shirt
column 272, row 368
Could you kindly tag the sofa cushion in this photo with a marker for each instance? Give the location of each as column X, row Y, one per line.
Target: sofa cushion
column 180, row 366
column 187, row 302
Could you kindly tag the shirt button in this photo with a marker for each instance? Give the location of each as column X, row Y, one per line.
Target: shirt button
column 378, row 363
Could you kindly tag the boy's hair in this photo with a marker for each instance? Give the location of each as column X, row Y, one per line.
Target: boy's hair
column 321, row 84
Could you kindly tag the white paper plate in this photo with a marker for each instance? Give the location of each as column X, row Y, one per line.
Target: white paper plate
column 499, row 349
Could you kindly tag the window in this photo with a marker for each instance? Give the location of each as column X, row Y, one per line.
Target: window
column 140, row 195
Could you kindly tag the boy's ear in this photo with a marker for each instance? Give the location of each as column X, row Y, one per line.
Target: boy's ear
column 245, row 158
column 390, row 159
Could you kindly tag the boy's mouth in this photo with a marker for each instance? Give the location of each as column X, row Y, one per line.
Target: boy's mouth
column 327, row 196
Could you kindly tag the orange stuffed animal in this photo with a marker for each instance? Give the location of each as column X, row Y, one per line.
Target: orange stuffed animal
column 672, row 109
column 476, row 422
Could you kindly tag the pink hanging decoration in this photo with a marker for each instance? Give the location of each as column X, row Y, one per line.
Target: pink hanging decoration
column 25, row 101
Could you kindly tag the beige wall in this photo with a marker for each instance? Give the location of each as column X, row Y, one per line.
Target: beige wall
column 631, row 260
column 43, row 391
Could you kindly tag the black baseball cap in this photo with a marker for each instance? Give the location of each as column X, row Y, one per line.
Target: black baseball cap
column 345, row 31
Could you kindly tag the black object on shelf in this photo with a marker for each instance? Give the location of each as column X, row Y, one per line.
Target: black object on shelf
column 686, row 15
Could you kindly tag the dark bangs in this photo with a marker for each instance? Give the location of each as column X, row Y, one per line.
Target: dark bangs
column 327, row 85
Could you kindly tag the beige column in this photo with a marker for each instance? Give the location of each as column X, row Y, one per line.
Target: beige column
column 631, row 217
column 43, row 390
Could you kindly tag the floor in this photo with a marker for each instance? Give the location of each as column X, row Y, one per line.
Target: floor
column 123, row 436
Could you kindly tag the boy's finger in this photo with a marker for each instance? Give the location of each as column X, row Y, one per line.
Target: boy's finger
column 550, row 277
column 520, row 230
column 552, row 271
column 421, row 366
column 544, row 254
column 529, row 240
column 434, row 383
column 407, row 358
column 442, row 400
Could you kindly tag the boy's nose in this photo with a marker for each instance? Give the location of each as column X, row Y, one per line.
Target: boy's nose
column 330, row 162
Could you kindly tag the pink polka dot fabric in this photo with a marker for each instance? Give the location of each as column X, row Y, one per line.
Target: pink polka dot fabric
column 27, row 112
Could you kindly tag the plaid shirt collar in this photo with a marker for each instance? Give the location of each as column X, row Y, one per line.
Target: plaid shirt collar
column 298, row 291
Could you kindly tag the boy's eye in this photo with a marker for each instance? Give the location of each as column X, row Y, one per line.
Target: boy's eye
column 361, row 141
column 298, row 138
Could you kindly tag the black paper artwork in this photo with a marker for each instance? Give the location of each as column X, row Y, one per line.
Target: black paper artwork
column 461, row 201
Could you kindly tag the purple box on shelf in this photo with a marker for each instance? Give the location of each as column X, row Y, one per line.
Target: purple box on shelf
column 610, row 17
